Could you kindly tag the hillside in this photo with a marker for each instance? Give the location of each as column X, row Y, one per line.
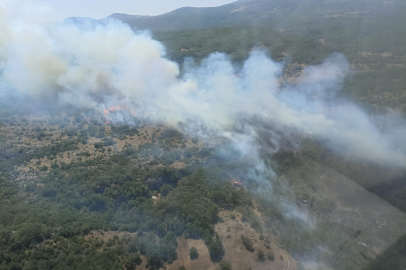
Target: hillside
column 261, row 135
column 368, row 33
column 336, row 21
column 75, row 192
column 270, row 13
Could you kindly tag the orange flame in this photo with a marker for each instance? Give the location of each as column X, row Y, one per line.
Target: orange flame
column 114, row 109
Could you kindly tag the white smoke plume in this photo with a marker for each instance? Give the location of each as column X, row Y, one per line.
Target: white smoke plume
column 105, row 65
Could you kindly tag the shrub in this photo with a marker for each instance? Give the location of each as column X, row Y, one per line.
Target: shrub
column 261, row 256
column 193, row 253
column 133, row 261
column 216, row 249
column 248, row 215
column 225, row 265
column 132, row 246
column 98, row 145
column 165, row 189
column 109, row 141
column 49, row 192
column 154, row 261
column 43, row 168
column 247, row 242
column 286, row 160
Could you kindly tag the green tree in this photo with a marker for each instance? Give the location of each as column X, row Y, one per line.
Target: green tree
column 29, row 234
column 261, row 256
column 168, row 247
column 133, row 261
column 216, row 249
column 133, row 246
column 165, row 189
column 154, row 261
column 247, row 242
column 271, row 256
column 224, row 265
column 193, row 253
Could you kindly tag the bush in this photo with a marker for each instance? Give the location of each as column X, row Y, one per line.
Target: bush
column 132, row 246
column 261, row 256
column 43, row 168
column 271, row 256
column 49, row 192
column 98, row 145
column 248, row 215
column 27, row 235
column 225, row 265
column 247, row 242
column 193, row 253
column 154, row 261
column 72, row 132
column 216, row 249
column 165, row 190
column 286, row 160
column 168, row 247
column 109, row 141
column 133, row 261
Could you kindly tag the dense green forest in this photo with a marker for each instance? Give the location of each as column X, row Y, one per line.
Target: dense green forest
column 76, row 194
column 47, row 215
column 238, row 42
column 377, row 82
column 369, row 33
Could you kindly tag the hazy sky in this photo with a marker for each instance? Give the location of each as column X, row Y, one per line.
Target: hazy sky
column 102, row 8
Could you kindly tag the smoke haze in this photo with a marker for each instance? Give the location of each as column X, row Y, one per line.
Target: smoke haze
column 103, row 66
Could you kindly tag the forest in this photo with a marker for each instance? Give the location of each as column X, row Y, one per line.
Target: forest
column 48, row 216
column 76, row 194
column 80, row 192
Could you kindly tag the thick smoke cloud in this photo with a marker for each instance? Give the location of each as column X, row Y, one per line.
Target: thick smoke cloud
column 101, row 66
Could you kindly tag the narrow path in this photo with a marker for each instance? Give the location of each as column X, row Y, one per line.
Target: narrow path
column 287, row 263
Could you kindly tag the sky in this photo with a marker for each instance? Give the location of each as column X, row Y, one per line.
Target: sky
column 98, row 9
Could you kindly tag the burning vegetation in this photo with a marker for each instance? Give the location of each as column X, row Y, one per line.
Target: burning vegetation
column 121, row 158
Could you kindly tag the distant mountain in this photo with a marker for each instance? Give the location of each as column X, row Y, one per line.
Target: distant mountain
column 125, row 17
column 300, row 17
column 82, row 20
column 376, row 26
column 370, row 33
column 371, row 26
